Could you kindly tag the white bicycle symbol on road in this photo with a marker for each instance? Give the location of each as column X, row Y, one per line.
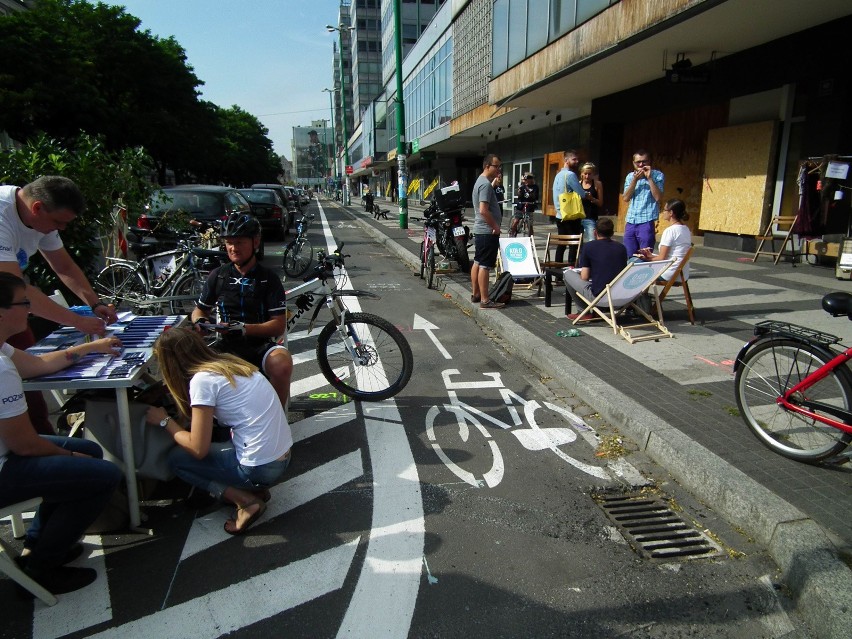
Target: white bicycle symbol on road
column 532, row 437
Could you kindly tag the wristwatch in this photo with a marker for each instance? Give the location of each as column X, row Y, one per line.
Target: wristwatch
column 165, row 421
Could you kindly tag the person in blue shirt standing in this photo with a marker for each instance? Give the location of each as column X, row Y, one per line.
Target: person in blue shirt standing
column 643, row 191
column 567, row 180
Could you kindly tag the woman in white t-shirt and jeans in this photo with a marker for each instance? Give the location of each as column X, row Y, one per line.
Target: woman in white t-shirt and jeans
column 206, row 384
column 675, row 242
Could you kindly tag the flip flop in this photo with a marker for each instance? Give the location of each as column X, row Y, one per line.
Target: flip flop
column 248, row 522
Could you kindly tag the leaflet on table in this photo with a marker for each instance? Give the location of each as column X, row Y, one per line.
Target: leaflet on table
column 92, row 365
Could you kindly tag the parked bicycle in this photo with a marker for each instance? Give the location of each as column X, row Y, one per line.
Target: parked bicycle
column 362, row 355
column 299, row 253
column 158, row 281
column 794, row 388
column 452, row 236
column 431, row 224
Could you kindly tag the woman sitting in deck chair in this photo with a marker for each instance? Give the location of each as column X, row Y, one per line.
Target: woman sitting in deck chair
column 675, row 242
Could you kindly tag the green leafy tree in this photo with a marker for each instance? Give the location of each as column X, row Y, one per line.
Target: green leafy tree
column 242, row 151
column 104, row 177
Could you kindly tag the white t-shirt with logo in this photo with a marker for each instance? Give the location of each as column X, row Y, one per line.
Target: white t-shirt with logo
column 18, row 242
column 12, row 400
column 251, row 409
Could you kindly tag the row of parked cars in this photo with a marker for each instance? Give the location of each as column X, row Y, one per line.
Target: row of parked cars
column 275, row 206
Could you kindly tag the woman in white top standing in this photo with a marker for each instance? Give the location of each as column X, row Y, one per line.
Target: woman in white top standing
column 675, row 242
column 206, row 384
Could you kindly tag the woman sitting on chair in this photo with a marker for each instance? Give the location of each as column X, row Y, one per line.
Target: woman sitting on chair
column 206, row 384
column 675, row 242
column 69, row 475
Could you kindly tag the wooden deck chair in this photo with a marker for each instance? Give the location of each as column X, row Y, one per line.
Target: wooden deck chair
column 519, row 257
column 7, row 562
column 621, row 293
column 677, row 279
column 554, row 240
column 783, row 222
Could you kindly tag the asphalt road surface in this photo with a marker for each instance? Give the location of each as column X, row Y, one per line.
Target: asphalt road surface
column 466, row 506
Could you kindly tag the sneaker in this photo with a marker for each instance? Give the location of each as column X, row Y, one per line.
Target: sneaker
column 475, row 299
column 491, row 304
column 59, row 580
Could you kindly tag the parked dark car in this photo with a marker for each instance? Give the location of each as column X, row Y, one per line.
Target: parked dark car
column 270, row 210
column 173, row 206
column 293, row 194
column 292, row 206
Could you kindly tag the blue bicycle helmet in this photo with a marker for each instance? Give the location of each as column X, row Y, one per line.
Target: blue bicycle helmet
column 240, row 225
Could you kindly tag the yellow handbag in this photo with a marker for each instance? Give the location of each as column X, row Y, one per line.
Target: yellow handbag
column 570, row 204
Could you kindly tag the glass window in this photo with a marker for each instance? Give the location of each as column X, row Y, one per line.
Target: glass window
column 537, row 18
column 517, row 32
column 563, row 18
column 588, row 8
column 500, row 37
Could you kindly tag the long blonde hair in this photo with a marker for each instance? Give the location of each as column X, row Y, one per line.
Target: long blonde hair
column 182, row 352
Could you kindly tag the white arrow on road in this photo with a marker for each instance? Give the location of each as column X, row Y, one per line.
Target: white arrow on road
column 422, row 324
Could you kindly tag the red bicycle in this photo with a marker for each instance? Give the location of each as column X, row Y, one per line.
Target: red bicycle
column 794, row 389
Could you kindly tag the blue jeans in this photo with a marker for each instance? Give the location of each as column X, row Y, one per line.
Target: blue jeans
column 74, row 491
column 220, row 469
column 588, row 229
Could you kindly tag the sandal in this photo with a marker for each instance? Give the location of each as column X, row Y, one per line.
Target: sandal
column 261, row 508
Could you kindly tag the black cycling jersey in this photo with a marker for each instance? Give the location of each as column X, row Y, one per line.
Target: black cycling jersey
column 251, row 298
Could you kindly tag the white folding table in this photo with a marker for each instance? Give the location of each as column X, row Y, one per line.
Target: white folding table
column 120, row 384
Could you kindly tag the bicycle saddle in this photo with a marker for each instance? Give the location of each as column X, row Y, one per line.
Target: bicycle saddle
column 837, row 304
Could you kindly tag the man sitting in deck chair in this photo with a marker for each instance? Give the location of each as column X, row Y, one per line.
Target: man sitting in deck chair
column 600, row 261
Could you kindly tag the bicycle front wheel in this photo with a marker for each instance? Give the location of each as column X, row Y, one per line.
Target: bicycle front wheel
column 188, row 287
column 525, row 228
column 430, row 266
column 767, row 372
column 382, row 362
column 298, row 257
column 122, row 285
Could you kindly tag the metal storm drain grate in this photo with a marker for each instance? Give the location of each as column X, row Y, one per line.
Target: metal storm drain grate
column 654, row 530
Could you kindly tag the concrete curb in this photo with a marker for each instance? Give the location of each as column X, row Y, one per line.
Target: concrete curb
column 820, row 583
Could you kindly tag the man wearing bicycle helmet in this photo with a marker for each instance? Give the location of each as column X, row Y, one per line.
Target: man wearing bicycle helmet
column 248, row 301
column 525, row 198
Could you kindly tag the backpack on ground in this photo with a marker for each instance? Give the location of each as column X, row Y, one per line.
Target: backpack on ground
column 501, row 290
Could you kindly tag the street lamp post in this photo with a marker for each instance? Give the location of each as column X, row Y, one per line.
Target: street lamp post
column 333, row 134
column 340, row 29
column 402, row 170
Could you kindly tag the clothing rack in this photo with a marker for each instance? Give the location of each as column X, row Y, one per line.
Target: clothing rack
column 820, row 163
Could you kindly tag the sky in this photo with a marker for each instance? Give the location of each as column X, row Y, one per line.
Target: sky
column 271, row 58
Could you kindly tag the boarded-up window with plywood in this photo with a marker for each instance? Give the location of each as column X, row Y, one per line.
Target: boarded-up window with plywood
column 736, row 197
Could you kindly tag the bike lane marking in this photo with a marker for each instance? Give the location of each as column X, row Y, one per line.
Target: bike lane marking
column 386, row 592
column 422, row 324
column 206, row 532
column 246, row 602
column 534, row 438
